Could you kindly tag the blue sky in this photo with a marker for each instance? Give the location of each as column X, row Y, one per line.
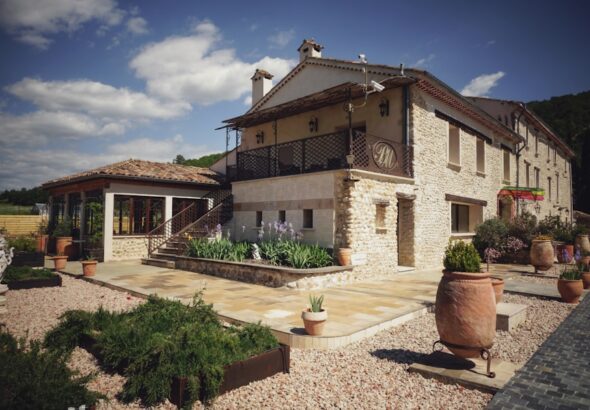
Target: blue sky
column 88, row 82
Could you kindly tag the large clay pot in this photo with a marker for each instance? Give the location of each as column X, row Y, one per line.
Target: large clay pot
column 345, row 256
column 89, row 267
column 586, row 280
column 570, row 290
column 498, row 285
column 569, row 249
column 583, row 242
column 465, row 312
column 42, row 243
column 314, row 321
column 542, row 254
column 63, row 245
column 59, row 262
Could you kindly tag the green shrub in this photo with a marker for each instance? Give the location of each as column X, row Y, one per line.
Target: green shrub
column 295, row 254
column 316, row 302
column 523, row 227
column 162, row 339
column 36, row 379
column 492, row 233
column 461, row 257
column 63, row 229
column 23, row 244
column 221, row 249
column 17, row 273
column 571, row 272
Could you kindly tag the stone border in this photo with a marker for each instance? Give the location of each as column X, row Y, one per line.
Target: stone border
column 260, row 274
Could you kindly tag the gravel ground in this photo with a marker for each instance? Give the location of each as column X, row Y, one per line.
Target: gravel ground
column 371, row 373
column 545, row 280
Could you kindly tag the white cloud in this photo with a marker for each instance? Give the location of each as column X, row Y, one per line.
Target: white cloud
column 480, row 86
column 32, row 21
column 491, row 43
column 281, row 38
column 253, row 27
column 94, row 98
column 137, row 25
column 423, row 62
column 195, row 69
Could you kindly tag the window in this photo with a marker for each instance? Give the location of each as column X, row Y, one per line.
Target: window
column 557, row 188
column 459, row 218
column 506, row 165
column 537, row 177
column 548, row 152
column 526, row 131
column 380, row 211
column 258, row 219
column 282, row 216
column 137, row 215
column 528, row 174
column 481, row 155
column 308, row 218
column 554, row 156
column 549, row 187
column 536, row 145
column 454, row 145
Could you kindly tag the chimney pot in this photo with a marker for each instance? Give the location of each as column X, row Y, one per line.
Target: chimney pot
column 309, row 48
column 261, row 84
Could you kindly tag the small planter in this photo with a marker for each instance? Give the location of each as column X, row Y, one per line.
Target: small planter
column 345, row 256
column 542, row 254
column 569, row 249
column 583, row 242
column 59, row 262
column 63, row 245
column 570, row 290
column 586, row 280
column 34, row 259
column 498, row 285
column 35, row 283
column 314, row 321
column 42, row 243
column 89, row 267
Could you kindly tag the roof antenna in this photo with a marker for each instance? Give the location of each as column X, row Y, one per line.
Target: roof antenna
column 401, row 69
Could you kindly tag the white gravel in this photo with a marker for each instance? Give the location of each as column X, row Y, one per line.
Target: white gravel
column 369, row 374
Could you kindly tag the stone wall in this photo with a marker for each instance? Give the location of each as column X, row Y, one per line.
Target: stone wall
column 129, row 247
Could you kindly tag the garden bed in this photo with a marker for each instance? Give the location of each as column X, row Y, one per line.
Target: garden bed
column 36, row 259
column 257, row 273
column 25, row 277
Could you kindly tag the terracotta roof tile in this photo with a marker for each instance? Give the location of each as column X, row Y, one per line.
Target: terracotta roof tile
column 146, row 170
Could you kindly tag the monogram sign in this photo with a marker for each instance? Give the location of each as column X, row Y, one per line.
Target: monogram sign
column 384, row 155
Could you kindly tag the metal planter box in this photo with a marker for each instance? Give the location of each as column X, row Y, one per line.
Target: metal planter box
column 34, row 283
column 34, row 259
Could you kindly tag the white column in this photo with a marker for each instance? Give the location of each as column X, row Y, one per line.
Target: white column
column 168, row 208
column 107, row 234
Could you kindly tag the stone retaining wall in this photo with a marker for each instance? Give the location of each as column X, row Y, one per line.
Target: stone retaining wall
column 129, row 247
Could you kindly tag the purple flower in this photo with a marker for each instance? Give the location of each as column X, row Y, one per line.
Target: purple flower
column 565, row 255
column 578, row 254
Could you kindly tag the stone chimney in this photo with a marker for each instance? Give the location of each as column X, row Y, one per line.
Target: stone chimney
column 309, row 48
column 261, row 84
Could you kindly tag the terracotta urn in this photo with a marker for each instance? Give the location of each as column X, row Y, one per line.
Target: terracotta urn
column 89, row 267
column 498, row 285
column 63, row 245
column 59, row 262
column 465, row 312
column 42, row 243
column 583, row 242
column 586, row 279
column 570, row 290
column 314, row 321
column 345, row 256
column 542, row 254
column 569, row 249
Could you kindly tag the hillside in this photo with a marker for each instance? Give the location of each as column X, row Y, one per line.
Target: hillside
column 569, row 116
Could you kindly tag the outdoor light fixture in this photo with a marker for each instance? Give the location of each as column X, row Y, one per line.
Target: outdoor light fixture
column 260, row 137
column 384, row 107
column 537, row 207
column 376, row 86
column 313, row 124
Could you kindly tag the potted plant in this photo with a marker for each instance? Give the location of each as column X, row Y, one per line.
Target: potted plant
column 542, row 254
column 344, row 256
column 465, row 308
column 570, row 284
column 582, row 241
column 42, row 237
column 564, row 236
column 25, row 251
column 59, row 262
column 315, row 316
column 63, row 237
column 89, row 266
column 585, row 267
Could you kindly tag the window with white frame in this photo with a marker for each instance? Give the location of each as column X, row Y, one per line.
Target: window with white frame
column 454, row 145
column 480, row 155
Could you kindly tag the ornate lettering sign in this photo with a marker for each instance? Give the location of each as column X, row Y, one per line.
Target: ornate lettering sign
column 384, row 155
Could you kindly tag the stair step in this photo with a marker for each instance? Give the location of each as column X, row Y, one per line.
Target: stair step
column 164, row 256
column 169, row 250
column 162, row 263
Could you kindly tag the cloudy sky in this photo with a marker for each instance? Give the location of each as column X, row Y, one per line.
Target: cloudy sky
column 88, row 82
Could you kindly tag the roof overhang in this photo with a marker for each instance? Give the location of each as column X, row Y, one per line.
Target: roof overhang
column 330, row 96
column 51, row 185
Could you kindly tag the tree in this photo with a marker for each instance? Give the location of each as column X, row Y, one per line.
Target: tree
column 179, row 160
column 204, row 162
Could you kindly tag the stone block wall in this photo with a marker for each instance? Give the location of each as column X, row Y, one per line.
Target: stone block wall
column 129, row 247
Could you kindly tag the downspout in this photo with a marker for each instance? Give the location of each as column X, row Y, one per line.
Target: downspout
column 517, row 121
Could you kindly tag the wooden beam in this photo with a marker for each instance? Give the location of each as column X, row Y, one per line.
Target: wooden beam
column 457, row 198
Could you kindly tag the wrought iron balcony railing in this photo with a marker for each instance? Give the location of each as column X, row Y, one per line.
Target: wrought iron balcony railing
column 324, row 152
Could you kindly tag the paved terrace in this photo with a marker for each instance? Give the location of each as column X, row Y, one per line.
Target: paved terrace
column 558, row 374
column 355, row 311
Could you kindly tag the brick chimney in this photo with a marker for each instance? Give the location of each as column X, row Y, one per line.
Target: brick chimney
column 309, row 48
column 261, row 84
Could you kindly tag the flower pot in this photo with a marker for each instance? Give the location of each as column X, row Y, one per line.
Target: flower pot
column 314, row 321
column 498, row 285
column 345, row 256
column 570, row 290
column 586, row 280
column 542, row 254
column 89, row 267
column 42, row 243
column 59, row 262
column 569, row 250
column 63, row 246
column 583, row 242
column 585, row 260
column 465, row 312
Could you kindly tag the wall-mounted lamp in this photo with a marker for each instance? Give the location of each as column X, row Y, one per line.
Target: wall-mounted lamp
column 384, row 107
column 537, row 207
column 260, row 137
column 313, row 124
